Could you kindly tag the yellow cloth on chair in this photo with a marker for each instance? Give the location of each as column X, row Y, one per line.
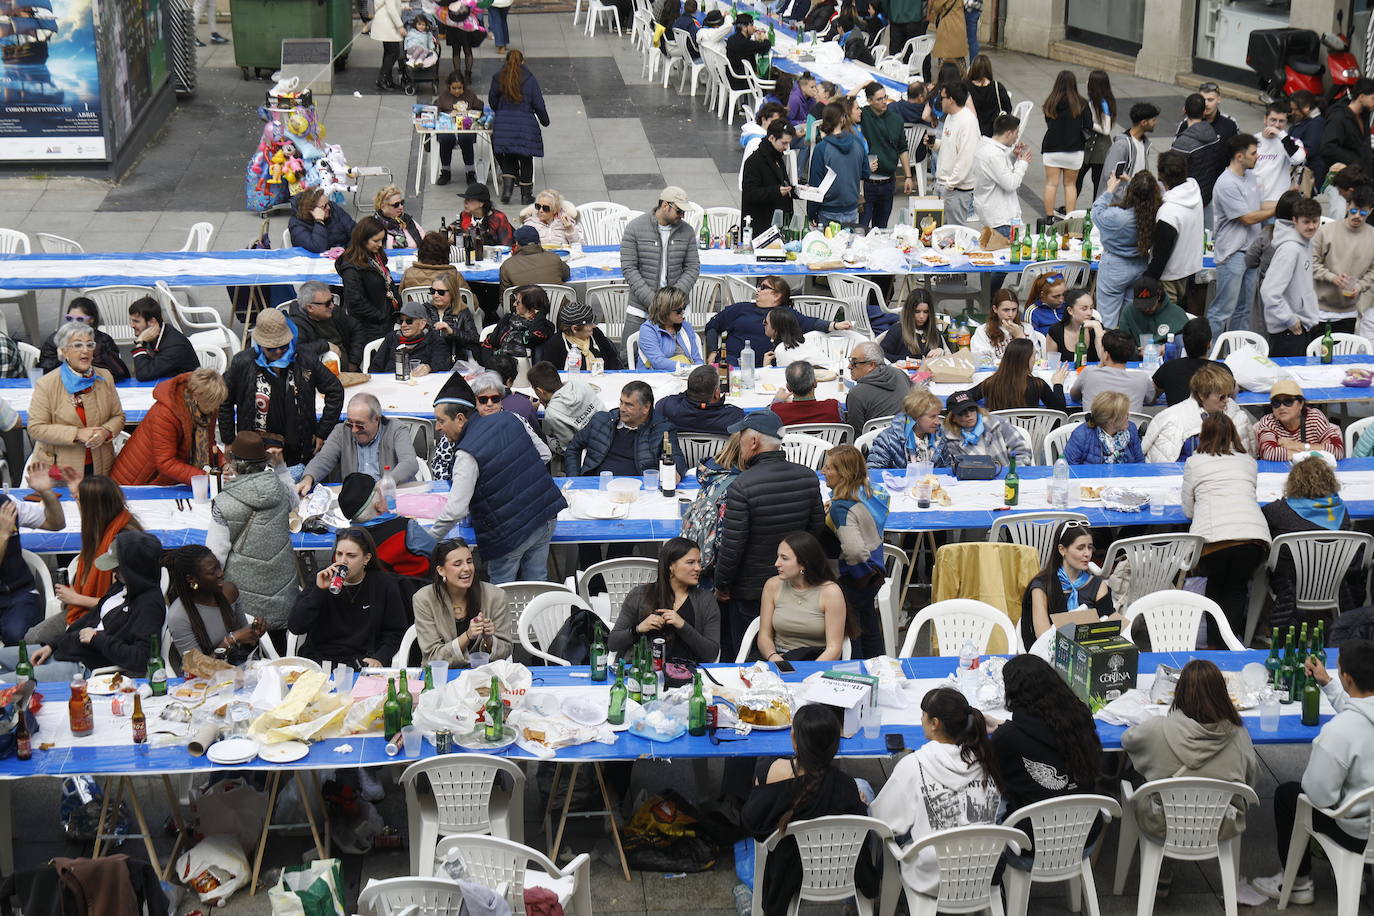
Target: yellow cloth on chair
column 993, row 573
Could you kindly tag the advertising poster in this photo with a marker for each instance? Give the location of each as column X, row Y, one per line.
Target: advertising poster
column 50, row 104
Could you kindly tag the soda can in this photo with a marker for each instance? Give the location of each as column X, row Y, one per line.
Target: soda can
column 443, row 741
column 660, row 646
column 336, row 582
column 712, row 717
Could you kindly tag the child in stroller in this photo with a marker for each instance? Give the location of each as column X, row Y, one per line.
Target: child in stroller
column 421, row 51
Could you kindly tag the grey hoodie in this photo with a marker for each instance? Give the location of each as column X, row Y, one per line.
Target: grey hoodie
column 1287, row 293
column 1342, row 761
column 568, row 411
column 878, row 394
column 1176, row 745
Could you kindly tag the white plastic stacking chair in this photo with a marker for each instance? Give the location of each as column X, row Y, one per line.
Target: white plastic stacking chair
column 834, row 433
column 751, row 635
column 968, row 857
column 595, row 10
column 58, row 244
column 892, row 596
column 1076, row 273
column 211, row 358
column 1348, row 866
column 961, row 236
column 559, row 294
column 610, row 302
column 916, row 50
column 1038, row 421
column 577, row 11
column 1194, row 809
column 721, row 220
column 495, row 862
column 621, row 576
column 1354, row 432
column 865, row 442
column 43, row 580
column 389, row 896
column 679, row 57
column 826, row 308
column 1156, row 561
column 1172, row 617
column 1034, row 529
column 1060, row 828
column 112, row 302
column 1055, row 442
column 839, row 344
column 1346, row 344
column 697, row 447
column 956, row 621
column 28, row 354
column 829, row 848
column 461, row 793
column 1320, row 562
column 739, row 289
column 856, row 293
column 198, row 239
column 592, row 218
column 408, row 639
column 369, row 350
column 1021, row 110
column 641, row 31
column 541, row 619
column 519, row 594
column 1230, row 341
column 877, row 424
column 808, row 451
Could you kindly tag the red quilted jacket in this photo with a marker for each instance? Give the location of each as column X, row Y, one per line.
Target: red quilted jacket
column 157, row 452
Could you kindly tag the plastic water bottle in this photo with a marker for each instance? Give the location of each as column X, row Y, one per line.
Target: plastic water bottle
column 968, row 657
column 747, row 238
column 746, row 366
column 389, row 488
column 1059, row 486
column 573, row 362
column 1150, row 357
column 1170, row 348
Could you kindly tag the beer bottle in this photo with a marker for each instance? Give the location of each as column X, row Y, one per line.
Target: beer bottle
column 1011, row 490
column 495, row 713
column 599, row 653
column 139, row 721
column 696, row 708
column 391, row 712
column 157, row 672
column 1311, row 704
column 616, row 714
column 723, row 367
column 23, row 738
column 1328, row 346
column 1080, row 350
column 405, row 701
column 667, row 477
column 23, row 671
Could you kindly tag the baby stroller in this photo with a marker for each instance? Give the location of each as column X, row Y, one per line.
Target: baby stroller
column 419, row 63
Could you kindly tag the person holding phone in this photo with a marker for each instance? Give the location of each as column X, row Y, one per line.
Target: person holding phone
column 317, row 225
column 1125, row 219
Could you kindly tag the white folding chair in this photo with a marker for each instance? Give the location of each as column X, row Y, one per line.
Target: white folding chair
column 1348, row 866
column 1346, row 344
column 697, row 447
column 499, row 863
column 833, row 433
column 1156, row 562
column 829, row 848
column 112, row 302
column 592, row 218
column 1172, row 617
column 391, row 896
column 967, row 857
column 1038, row 421
column 856, row 293
column 1321, row 560
column 621, row 576
column 808, row 451
column 539, row 622
column 1055, row 442
column 956, row 621
column 1194, row 809
column 461, row 793
column 1230, row 341
column 1034, row 529
column 1060, row 828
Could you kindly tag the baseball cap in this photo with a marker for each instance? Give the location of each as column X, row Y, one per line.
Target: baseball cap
column 960, row 401
column 760, row 421
column 527, row 235
column 109, row 560
column 675, row 196
column 1286, row 386
column 413, row 309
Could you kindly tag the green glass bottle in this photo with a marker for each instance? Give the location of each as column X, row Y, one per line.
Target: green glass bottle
column 1285, row 674
column 1011, row 487
column 1273, row 663
column 1027, row 250
column 157, row 672
column 391, row 712
column 615, row 715
column 1302, row 641
column 23, row 671
column 705, row 239
column 1311, row 704
column 648, row 679
column 696, row 708
column 599, row 653
column 632, row 677
column 495, row 713
column 1328, row 346
column 1014, row 248
column 405, row 700
column 429, row 680
column 1080, row 350
column 1296, row 678
column 1319, row 642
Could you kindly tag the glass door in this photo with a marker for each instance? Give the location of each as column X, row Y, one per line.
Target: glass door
column 1116, row 25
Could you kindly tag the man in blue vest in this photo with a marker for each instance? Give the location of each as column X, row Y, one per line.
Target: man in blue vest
column 499, row 480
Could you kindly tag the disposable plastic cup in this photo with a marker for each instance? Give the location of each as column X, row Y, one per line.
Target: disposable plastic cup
column 439, row 668
column 1052, row 361
column 651, row 481
column 478, row 659
column 200, row 488
column 1269, row 714
column 872, row 724
column 604, row 480
column 410, row 736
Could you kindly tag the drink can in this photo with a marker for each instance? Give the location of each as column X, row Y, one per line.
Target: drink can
column 660, row 646
column 712, row 716
column 443, row 741
column 596, row 365
column 63, row 578
column 336, row 582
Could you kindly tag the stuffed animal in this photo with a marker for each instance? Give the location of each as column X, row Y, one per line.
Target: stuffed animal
column 276, row 167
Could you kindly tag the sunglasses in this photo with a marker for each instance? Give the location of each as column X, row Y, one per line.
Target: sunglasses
column 406, row 319
column 1074, row 523
column 84, row 319
column 331, row 304
column 858, row 362
column 1356, row 211
column 355, row 425
column 437, row 292
column 396, row 203
column 543, row 208
column 489, row 399
column 1284, row 402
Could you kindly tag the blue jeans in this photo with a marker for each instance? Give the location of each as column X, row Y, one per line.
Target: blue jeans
column 51, row 671
column 844, row 218
column 971, row 25
column 527, row 562
column 500, row 29
column 877, row 208
column 1116, row 277
column 1229, row 309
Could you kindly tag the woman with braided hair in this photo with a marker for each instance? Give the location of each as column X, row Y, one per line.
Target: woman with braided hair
column 204, row 612
column 807, row 785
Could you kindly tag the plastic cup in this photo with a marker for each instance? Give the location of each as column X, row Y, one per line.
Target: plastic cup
column 604, row 481
column 1052, row 361
column 35, row 375
column 200, row 488
column 415, row 365
column 651, row 481
column 873, row 723
column 1269, row 712
column 439, row 671
column 683, row 504
column 411, row 738
column 239, row 716
column 478, row 659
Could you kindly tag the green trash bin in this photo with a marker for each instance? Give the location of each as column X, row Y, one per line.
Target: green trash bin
column 340, row 30
column 260, row 26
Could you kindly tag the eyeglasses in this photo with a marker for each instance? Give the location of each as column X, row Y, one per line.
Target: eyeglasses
column 396, row 203
column 437, row 292
column 543, row 208
column 1209, row 87
column 355, row 425
column 489, row 399
column 81, row 345
column 1284, row 402
column 857, row 362
column 84, row 319
column 1356, row 211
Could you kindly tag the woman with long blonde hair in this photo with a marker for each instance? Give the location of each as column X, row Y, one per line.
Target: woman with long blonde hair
column 516, row 139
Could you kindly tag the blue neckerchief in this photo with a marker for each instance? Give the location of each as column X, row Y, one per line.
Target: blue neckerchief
column 1071, row 588
column 1325, row 512
column 74, row 382
column 931, row 439
column 878, row 502
column 281, row 362
column 378, row 519
column 972, row 436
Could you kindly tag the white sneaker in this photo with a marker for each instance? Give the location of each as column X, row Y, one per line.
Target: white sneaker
column 1272, row 887
column 371, row 788
column 1248, row 896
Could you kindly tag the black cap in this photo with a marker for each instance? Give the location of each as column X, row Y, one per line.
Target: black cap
column 477, row 191
column 356, row 494
column 960, row 401
column 1147, row 288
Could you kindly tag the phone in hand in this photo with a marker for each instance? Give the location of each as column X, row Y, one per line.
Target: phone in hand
column 784, row 666
column 895, row 743
column 1121, row 170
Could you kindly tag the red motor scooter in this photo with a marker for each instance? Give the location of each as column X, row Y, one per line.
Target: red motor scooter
column 1289, row 60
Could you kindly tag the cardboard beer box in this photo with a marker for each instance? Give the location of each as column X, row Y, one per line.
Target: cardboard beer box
column 854, row 694
column 1096, row 661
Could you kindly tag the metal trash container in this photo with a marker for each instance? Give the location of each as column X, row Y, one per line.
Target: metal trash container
column 260, row 26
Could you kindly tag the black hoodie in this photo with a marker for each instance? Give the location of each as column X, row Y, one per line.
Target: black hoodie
column 127, row 628
column 1031, row 762
column 1346, row 138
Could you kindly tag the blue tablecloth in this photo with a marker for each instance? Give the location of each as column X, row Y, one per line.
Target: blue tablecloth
column 144, row 760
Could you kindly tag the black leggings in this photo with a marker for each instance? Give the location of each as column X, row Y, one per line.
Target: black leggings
column 391, row 52
column 1228, row 574
column 447, row 142
column 1097, row 181
column 1286, row 813
column 513, row 165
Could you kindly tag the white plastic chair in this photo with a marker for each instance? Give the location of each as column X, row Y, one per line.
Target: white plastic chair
column 1055, row 441
column 751, row 635
column 679, row 56
column 697, row 447
column 959, row 236
column 621, row 576
column 1194, row 808
column 1346, row 344
column 521, row 593
column 968, row 857
column 1348, row 866
column 389, row 896
column 408, row 639
column 720, row 220
column 892, row 596
column 558, row 294
column 829, row 848
column 495, row 862
column 1354, row 432
column 1172, row 617
column 1230, row 341
column 461, row 793
column 58, row 244
column 865, row 442
column 595, row 10
column 856, row 293
column 1156, row 561
column 592, row 219
column 610, row 303
column 1038, row 421
column 1034, row 529
column 198, row 239
column 1060, row 828
column 210, row 358
column 112, row 302
column 826, row 308
column 28, row 354
column 808, row 451
column 956, row 621
column 1320, row 561
column 877, row 424
column 42, row 579
column 1076, row 273
column 370, row 348
column 540, row 620
column 833, row 433
column 916, row 50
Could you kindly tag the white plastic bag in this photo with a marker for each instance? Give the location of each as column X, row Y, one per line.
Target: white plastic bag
column 214, row 868
column 1253, row 370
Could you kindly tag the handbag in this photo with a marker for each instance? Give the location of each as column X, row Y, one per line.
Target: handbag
column 975, row 467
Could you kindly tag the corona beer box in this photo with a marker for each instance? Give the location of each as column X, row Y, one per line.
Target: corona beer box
column 1097, row 662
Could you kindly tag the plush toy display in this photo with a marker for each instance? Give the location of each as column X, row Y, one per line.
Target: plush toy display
column 291, row 154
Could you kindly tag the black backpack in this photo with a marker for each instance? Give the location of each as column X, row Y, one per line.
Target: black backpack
column 573, row 641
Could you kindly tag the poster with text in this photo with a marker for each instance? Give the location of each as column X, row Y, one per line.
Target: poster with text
column 50, row 104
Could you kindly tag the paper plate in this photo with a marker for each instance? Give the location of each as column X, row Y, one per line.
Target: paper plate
column 102, row 685
column 584, row 710
column 286, row 752
column 232, row 751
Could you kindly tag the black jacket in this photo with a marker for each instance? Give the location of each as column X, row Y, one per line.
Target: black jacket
column 741, row 51
column 42, row 891
column 369, row 297
column 334, row 232
column 764, row 173
column 366, row 620
column 590, row 444
column 818, row 16
column 434, row 350
column 1206, row 152
column 173, row 356
column 1346, row 138
column 1064, row 133
column 237, row 412
column 1030, row 757
column 556, row 350
column 1283, row 582
column 690, row 416
column 310, row 332
column 106, row 356
column 1038, row 392
column 772, row 498
column 125, row 637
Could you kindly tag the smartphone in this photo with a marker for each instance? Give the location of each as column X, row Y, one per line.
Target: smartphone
column 1121, row 170
column 784, row 666
column 895, row 743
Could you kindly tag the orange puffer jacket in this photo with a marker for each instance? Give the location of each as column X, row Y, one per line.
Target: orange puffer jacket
column 158, row 451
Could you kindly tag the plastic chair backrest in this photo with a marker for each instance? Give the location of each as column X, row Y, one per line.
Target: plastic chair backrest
column 541, row 619
column 1230, row 341
column 493, row 862
column 808, row 451
column 402, row 657
column 967, row 856
column 519, row 594
column 961, row 236
column 1320, row 559
column 1074, row 272
column 877, row 424
column 198, row 239
column 1038, row 421
column 1034, row 529
column 826, row 308
column 1055, row 441
column 42, row 578
column 112, row 302
column 1155, row 561
column 1354, row 432
column 892, row 596
column 58, row 244
column 611, row 300
column 463, row 788
column 210, row 358
column 369, row 348
column 620, row 576
column 1172, row 617
column 956, row 621
column 1194, row 809
column 29, row 354
column 857, row 292
column 697, row 447
column 720, row 220
column 12, row 241
column 833, row 433
column 829, row 848
column 1021, row 110
column 592, row 218
column 434, row 897
column 1060, row 828
column 421, row 433
column 1346, row 344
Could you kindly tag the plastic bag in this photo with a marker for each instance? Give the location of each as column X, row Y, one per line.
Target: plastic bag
column 744, row 862
column 315, row 889
column 214, row 868
column 1253, row 370
column 79, row 811
column 230, row 807
column 458, row 705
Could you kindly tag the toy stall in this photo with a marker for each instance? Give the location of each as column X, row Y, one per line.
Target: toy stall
column 293, row 154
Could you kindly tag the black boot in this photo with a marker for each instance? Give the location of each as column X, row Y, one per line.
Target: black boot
column 470, row 177
column 507, row 188
column 527, row 193
column 444, row 177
